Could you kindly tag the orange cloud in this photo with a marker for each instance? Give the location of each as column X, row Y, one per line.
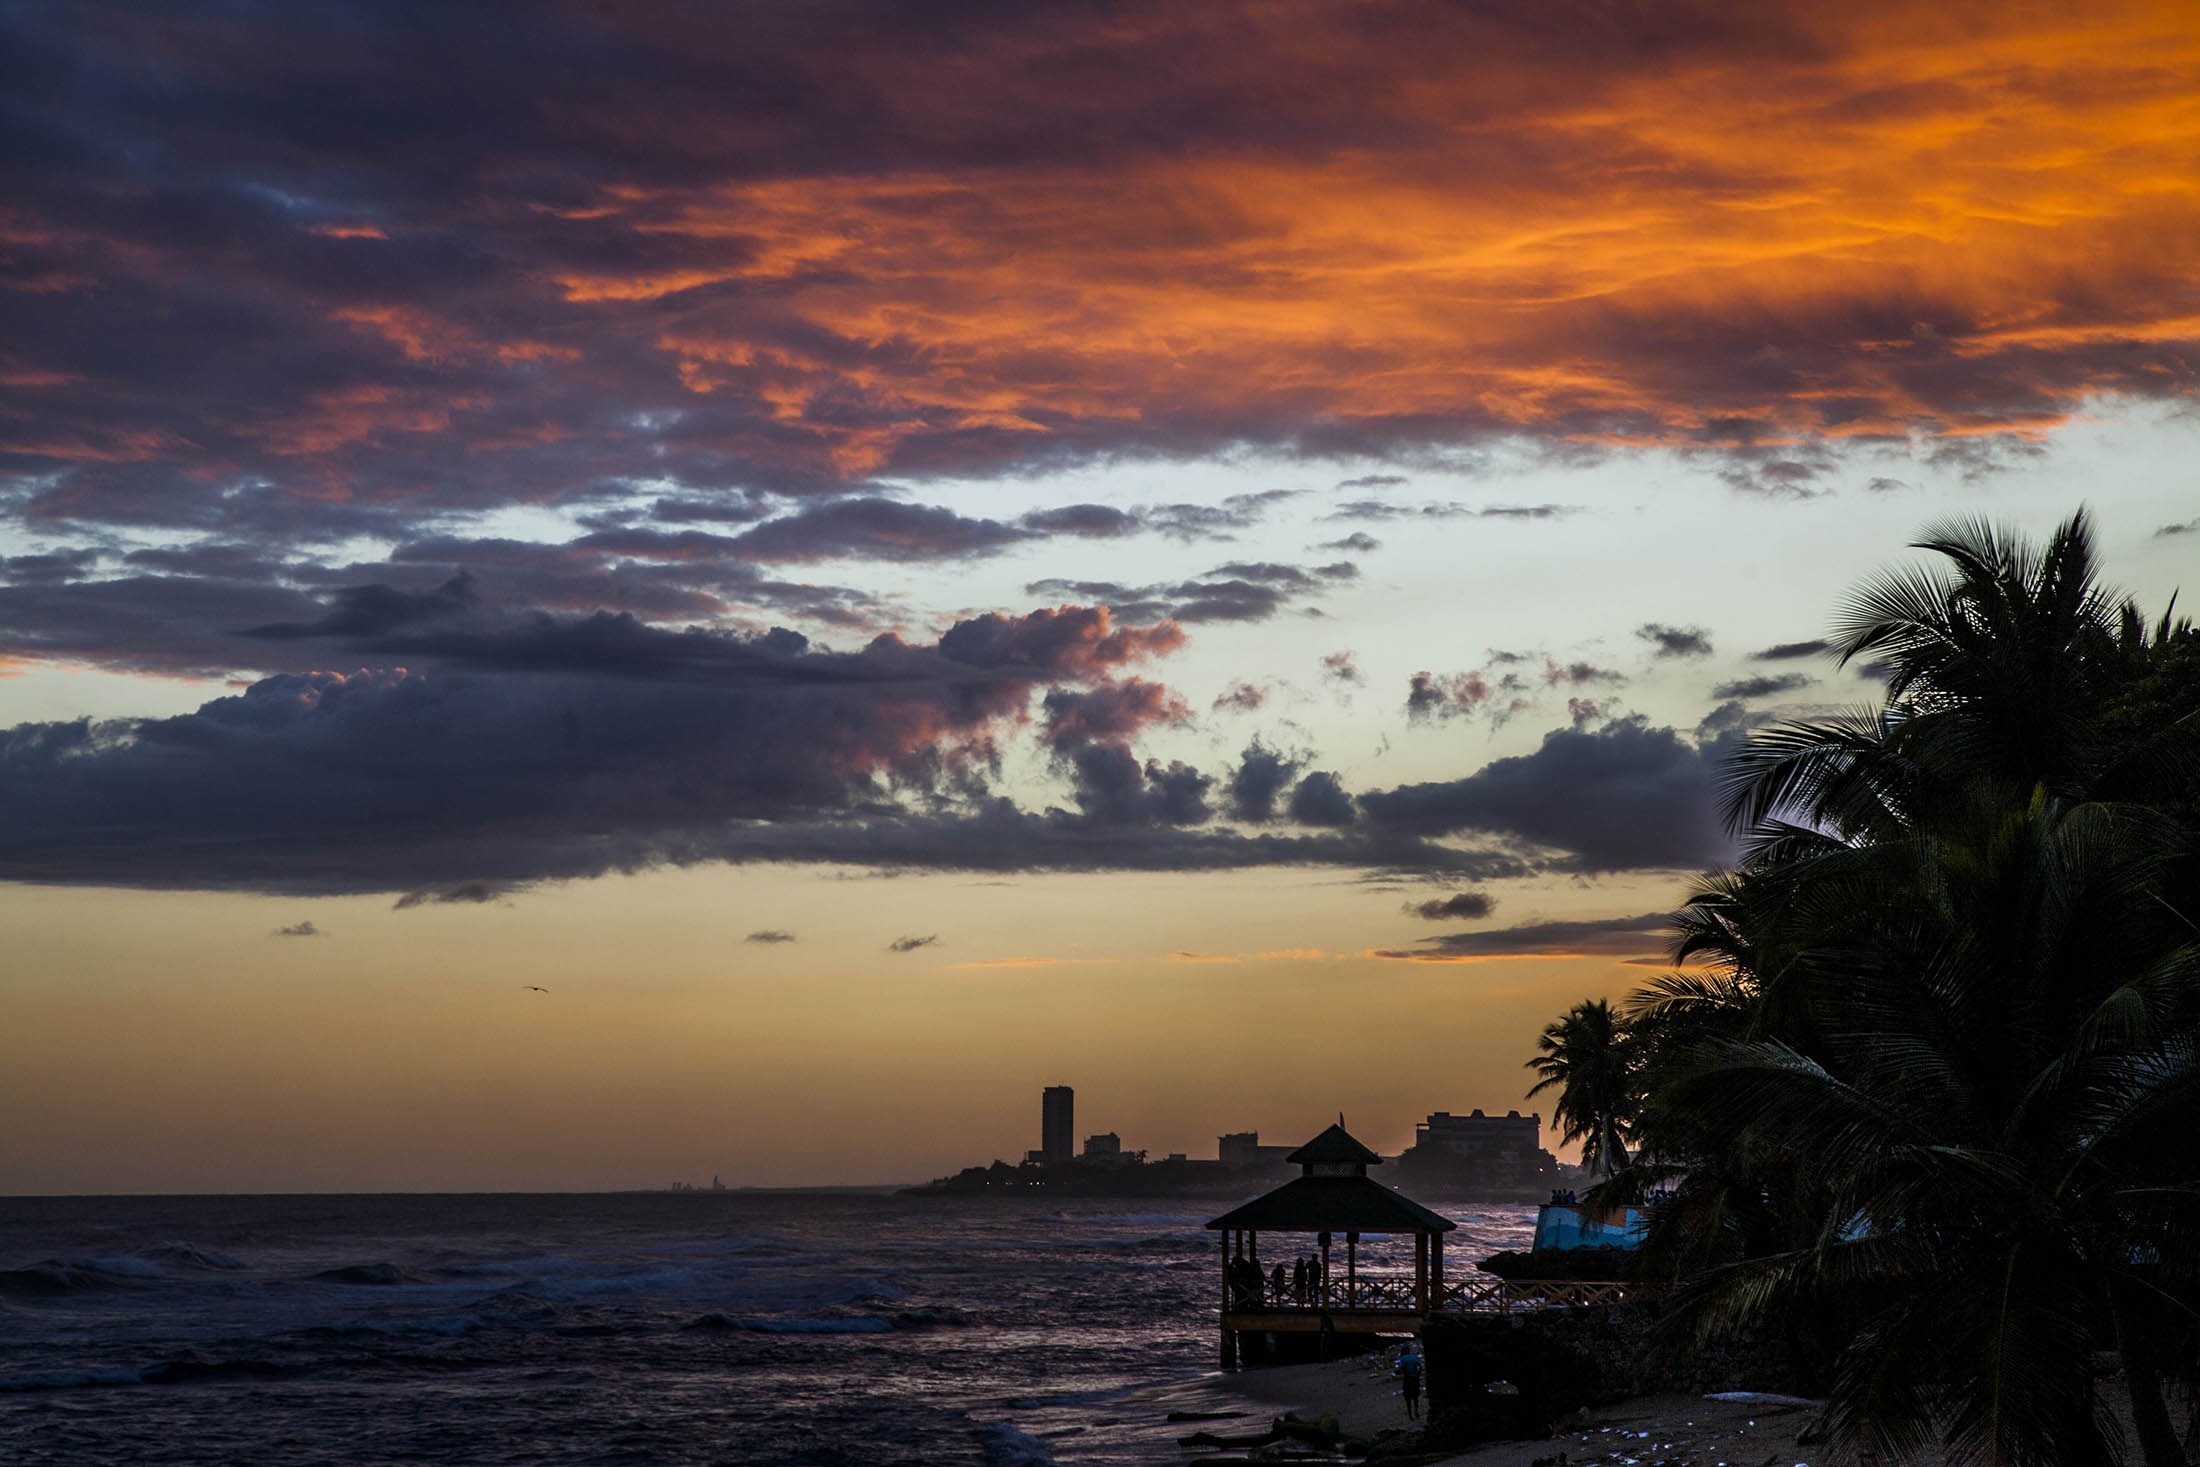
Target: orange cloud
column 1711, row 251
column 930, row 249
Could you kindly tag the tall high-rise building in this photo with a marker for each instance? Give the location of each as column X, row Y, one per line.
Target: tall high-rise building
column 1057, row 1105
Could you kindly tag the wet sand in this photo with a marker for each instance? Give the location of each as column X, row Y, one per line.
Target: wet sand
column 1671, row 1430
column 1361, row 1393
column 1644, row 1431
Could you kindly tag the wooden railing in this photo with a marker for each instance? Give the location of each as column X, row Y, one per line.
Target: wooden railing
column 1516, row 1296
column 1377, row 1291
column 1478, row 1293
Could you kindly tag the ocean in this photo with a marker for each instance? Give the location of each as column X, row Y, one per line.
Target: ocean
column 619, row 1328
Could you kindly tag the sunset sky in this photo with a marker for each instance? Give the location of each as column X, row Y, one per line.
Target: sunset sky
column 893, row 555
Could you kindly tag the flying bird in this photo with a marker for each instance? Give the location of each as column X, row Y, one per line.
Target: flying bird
column 536, row 988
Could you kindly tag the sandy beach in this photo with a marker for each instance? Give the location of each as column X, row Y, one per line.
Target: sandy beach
column 1643, row 1431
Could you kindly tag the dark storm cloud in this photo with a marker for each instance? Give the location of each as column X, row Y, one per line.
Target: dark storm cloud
column 1091, row 521
column 1259, row 778
column 1612, row 937
column 1676, row 641
column 512, row 748
column 1789, row 651
column 1267, row 572
column 1556, row 673
column 769, row 935
column 503, row 725
column 1227, row 600
column 1763, row 687
column 1625, row 796
column 269, row 274
column 875, row 529
column 1243, row 591
column 1066, row 642
column 1113, row 712
column 1190, row 522
column 911, row 944
column 376, row 610
column 1319, row 799
column 731, row 510
column 299, row 929
column 1465, row 906
column 219, row 609
column 184, row 625
column 1732, row 716
column 58, row 565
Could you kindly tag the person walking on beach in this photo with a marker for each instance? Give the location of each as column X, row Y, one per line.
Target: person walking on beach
column 1409, row 1380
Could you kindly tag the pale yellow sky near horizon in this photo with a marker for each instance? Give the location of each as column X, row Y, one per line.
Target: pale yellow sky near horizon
column 404, row 1050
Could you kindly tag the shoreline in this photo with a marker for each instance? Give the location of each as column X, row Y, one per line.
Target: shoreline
column 1642, row 1430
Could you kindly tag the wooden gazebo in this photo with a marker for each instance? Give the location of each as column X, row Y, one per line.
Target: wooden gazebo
column 1332, row 1195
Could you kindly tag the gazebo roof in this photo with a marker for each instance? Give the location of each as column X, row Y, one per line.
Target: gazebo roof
column 1334, row 1147
column 1332, row 1204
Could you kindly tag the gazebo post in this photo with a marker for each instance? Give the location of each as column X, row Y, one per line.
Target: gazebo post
column 1420, row 1272
column 1325, row 1270
column 1229, row 1336
column 1351, row 1269
column 1436, row 1268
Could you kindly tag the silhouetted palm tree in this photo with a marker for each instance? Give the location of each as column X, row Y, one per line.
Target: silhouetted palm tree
column 1992, row 1131
column 1587, row 1059
column 2000, row 669
column 1936, row 1078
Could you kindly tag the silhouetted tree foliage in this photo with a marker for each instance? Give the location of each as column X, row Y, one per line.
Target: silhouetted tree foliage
column 1587, row 1058
column 1930, row 1079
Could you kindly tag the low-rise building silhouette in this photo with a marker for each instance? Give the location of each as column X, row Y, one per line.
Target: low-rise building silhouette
column 1480, row 1152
